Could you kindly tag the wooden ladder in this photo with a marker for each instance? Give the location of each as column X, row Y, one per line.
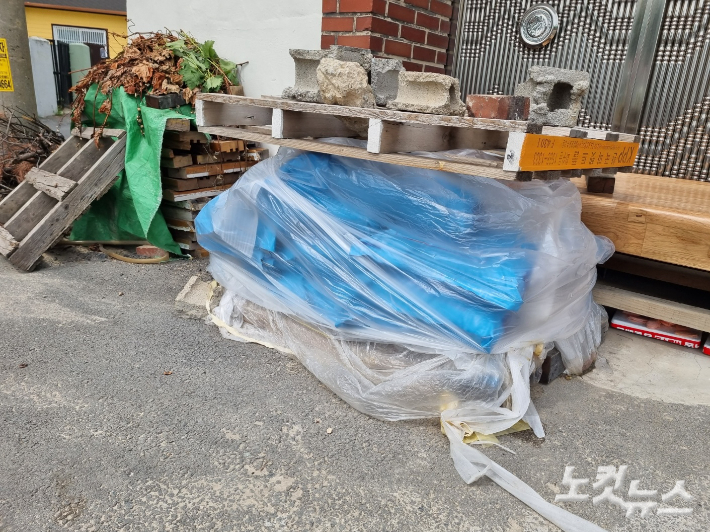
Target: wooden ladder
column 43, row 207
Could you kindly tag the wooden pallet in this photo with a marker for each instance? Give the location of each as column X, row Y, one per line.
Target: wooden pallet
column 43, row 207
column 530, row 151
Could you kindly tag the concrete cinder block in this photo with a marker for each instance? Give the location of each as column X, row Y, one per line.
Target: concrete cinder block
column 346, row 83
column 306, row 87
column 500, row 107
column 426, row 92
column 354, row 55
column 555, row 95
column 385, row 79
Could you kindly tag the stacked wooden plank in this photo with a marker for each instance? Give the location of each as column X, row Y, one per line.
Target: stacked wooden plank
column 195, row 168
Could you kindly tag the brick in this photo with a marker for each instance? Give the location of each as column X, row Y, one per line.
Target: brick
column 424, row 54
column 366, row 42
column 419, row 3
column 338, row 23
column 377, row 25
column 501, row 107
column 149, row 251
column 440, row 8
column 441, row 58
column 438, row 41
column 402, row 13
column 401, row 49
column 435, row 69
column 413, row 34
column 379, row 7
column 330, row 6
column 445, row 27
column 326, row 41
column 412, row 67
column 356, row 6
column 426, row 21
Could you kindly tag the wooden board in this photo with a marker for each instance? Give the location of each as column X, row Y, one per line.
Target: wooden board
column 653, row 217
column 535, row 153
column 659, row 271
column 42, row 220
column 224, row 146
column 197, row 183
column 654, row 307
column 176, row 161
column 172, row 195
column 206, row 119
column 297, row 125
column 483, row 170
column 51, row 184
column 214, row 113
column 177, row 124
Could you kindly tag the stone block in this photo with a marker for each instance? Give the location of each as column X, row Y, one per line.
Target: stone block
column 191, row 302
column 385, row 79
column 306, row 87
column 500, row 107
column 555, row 95
column 346, row 83
column 354, row 55
column 426, row 92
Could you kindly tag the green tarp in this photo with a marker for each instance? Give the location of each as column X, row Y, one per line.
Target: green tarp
column 131, row 209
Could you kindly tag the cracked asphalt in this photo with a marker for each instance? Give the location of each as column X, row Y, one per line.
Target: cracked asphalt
column 118, row 414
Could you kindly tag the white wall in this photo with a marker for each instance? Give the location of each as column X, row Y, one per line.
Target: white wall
column 258, row 31
column 43, row 75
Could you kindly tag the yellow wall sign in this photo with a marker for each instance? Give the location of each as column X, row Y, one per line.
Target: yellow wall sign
column 5, row 73
column 543, row 152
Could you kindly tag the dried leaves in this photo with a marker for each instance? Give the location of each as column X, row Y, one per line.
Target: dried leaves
column 162, row 63
column 143, row 64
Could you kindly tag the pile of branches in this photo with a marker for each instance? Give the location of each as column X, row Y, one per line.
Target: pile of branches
column 25, row 142
column 160, row 63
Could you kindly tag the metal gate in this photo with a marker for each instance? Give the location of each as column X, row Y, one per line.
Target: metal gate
column 62, row 77
column 649, row 63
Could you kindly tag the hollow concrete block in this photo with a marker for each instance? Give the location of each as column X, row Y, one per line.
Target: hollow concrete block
column 385, row 79
column 555, row 95
column 306, row 87
column 426, row 92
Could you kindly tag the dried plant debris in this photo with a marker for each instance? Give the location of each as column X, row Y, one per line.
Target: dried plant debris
column 159, row 63
column 25, row 142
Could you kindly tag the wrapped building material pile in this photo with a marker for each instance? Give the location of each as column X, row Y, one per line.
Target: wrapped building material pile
column 410, row 293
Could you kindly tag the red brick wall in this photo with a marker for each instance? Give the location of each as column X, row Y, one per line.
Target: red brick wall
column 416, row 31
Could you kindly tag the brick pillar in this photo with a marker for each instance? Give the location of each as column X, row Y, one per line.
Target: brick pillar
column 416, row 31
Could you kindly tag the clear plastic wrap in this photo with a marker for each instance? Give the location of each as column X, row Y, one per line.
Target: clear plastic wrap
column 410, row 293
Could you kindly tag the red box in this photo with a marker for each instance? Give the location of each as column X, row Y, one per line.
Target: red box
column 657, row 329
column 706, row 347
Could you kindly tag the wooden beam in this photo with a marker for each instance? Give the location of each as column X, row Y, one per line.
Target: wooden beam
column 176, row 161
column 209, row 113
column 401, row 137
column 483, row 170
column 659, row 271
column 653, row 307
column 51, row 184
column 653, row 217
column 29, row 215
column 15, row 200
column 297, row 125
column 359, row 112
column 173, row 195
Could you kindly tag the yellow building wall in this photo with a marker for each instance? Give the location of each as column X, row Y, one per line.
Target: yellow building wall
column 40, row 20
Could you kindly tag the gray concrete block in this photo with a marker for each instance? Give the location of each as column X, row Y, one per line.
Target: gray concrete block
column 385, row 79
column 555, row 95
column 305, row 88
column 354, row 55
column 426, row 92
column 346, row 83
